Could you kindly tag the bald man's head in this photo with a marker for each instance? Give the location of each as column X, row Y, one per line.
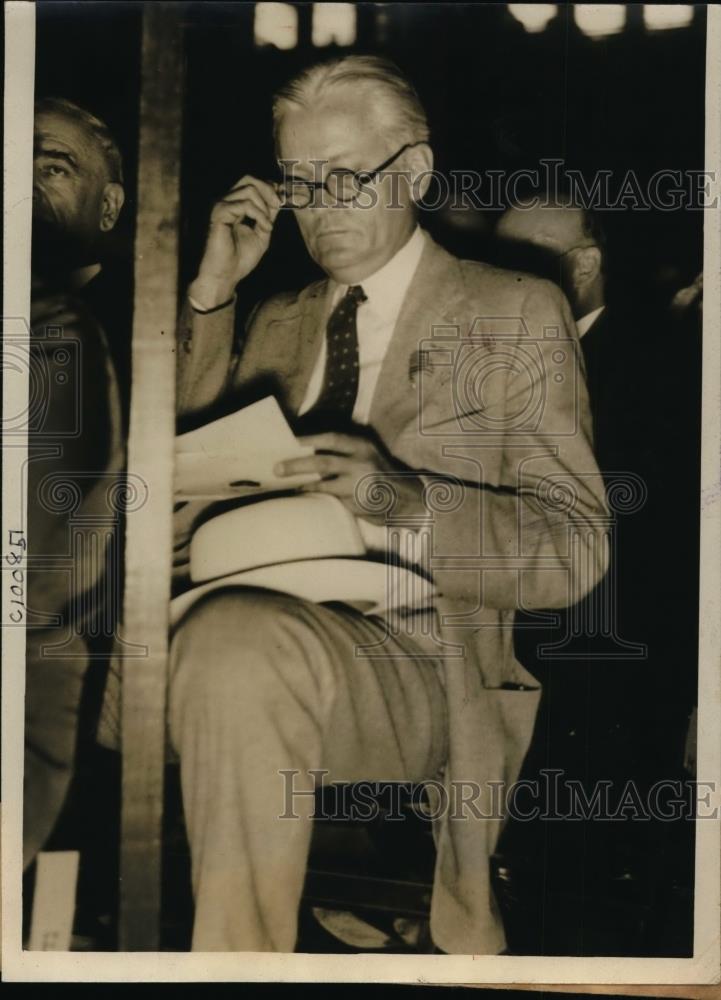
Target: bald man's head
column 557, row 228
column 567, row 249
column 77, row 186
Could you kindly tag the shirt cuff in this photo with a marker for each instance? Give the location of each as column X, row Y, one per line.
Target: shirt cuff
column 200, row 308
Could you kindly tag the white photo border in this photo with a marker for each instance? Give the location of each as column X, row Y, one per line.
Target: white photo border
column 19, row 965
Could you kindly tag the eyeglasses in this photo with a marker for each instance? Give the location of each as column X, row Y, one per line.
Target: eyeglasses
column 342, row 185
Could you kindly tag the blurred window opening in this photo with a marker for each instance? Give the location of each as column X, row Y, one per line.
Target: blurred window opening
column 382, row 23
column 276, row 24
column 334, row 23
column 533, row 16
column 599, row 20
column 659, row 16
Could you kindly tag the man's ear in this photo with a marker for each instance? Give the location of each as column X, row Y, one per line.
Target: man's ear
column 113, row 198
column 586, row 266
column 419, row 160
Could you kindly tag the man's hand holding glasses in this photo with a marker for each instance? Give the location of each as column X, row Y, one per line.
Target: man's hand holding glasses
column 242, row 221
column 238, row 236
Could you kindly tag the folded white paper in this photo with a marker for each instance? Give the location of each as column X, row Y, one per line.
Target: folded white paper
column 307, row 545
column 235, row 455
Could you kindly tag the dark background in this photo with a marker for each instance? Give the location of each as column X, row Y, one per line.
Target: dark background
column 498, row 98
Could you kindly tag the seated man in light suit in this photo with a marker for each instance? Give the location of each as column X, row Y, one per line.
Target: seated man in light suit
column 497, row 421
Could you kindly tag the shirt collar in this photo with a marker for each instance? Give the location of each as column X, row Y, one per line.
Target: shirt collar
column 386, row 289
column 584, row 324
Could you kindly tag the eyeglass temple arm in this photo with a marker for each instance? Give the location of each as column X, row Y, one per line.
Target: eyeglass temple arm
column 374, row 173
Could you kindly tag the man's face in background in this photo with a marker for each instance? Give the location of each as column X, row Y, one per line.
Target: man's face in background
column 73, row 199
column 551, row 242
column 534, row 240
column 348, row 241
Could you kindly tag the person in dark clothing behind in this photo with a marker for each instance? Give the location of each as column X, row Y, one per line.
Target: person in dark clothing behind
column 619, row 668
column 78, row 195
column 76, row 448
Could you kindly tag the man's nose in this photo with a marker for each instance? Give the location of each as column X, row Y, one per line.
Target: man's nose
column 40, row 198
column 327, row 204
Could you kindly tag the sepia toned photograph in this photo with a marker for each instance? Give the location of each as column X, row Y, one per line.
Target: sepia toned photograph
column 360, row 534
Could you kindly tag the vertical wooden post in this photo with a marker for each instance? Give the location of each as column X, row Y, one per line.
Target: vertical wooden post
column 150, row 455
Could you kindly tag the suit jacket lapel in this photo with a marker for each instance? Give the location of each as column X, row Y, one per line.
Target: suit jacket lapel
column 431, row 301
column 304, row 339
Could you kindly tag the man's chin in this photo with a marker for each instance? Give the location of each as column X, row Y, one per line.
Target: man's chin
column 342, row 261
column 55, row 251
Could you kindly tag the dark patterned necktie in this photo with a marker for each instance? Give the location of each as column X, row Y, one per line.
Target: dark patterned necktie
column 340, row 383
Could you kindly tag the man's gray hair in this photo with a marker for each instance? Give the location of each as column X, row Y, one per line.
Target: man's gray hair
column 390, row 95
column 94, row 126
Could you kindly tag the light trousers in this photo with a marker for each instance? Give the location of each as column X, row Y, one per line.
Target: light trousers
column 262, row 683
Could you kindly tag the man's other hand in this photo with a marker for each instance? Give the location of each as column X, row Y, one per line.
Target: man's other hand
column 684, row 299
column 359, row 473
column 238, row 236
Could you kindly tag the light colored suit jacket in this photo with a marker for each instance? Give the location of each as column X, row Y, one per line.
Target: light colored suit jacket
column 482, row 389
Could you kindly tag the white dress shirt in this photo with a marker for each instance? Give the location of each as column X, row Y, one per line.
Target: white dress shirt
column 375, row 321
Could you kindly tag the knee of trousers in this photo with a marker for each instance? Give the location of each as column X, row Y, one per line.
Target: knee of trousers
column 246, row 651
